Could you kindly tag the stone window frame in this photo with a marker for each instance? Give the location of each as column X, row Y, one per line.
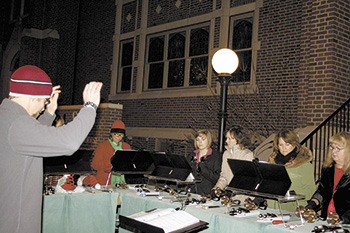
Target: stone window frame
column 212, row 87
column 166, row 61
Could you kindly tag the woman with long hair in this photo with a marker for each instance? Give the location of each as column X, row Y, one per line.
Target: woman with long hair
column 236, row 148
column 296, row 158
column 333, row 192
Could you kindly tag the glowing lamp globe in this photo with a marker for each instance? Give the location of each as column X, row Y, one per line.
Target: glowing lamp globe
column 225, row 61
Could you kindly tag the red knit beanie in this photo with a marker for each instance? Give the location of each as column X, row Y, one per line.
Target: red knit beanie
column 30, row 81
column 118, row 127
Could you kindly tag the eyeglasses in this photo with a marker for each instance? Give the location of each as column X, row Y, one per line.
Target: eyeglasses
column 335, row 148
column 47, row 101
column 118, row 134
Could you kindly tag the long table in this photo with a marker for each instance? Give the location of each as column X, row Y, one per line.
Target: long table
column 218, row 218
column 80, row 212
column 88, row 212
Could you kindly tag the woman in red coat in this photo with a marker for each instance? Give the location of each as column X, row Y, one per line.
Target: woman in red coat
column 104, row 152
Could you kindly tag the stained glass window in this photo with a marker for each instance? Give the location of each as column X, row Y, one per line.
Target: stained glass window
column 242, row 45
column 178, row 58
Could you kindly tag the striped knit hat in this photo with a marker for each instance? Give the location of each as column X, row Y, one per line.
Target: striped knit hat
column 30, row 81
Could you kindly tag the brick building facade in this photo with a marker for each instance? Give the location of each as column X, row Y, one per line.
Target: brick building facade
column 298, row 67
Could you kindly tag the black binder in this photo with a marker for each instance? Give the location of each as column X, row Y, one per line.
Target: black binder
column 141, row 227
column 259, row 177
column 171, row 166
column 132, row 162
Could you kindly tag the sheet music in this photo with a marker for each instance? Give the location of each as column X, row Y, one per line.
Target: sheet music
column 168, row 219
column 144, row 217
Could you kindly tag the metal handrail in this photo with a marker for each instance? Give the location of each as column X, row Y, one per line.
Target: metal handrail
column 318, row 139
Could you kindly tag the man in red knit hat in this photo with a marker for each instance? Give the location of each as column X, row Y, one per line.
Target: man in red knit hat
column 25, row 140
column 104, row 152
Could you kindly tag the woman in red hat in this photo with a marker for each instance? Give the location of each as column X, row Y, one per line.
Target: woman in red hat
column 104, row 152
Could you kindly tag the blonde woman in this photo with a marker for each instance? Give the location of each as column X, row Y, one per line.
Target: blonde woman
column 205, row 162
column 333, row 192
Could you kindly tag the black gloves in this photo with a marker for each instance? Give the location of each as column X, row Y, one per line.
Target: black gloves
column 311, row 205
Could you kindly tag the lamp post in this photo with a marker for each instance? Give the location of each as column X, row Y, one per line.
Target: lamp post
column 224, row 62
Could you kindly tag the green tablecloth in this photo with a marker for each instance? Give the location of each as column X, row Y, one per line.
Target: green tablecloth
column 95, row 213
column 218, row 220
column 79, row 213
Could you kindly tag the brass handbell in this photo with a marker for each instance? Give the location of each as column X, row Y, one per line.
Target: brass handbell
column 299, row 210
column 249, row 204
column 207, row 197
column 333, row 218
column 309, row 215
column 124, row 185
column 225, row 200
column 218, row 192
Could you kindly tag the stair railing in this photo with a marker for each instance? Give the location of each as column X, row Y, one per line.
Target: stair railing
column 318, row 139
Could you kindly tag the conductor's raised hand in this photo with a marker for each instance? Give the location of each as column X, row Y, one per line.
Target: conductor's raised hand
column 52, row 103
column 92, row 92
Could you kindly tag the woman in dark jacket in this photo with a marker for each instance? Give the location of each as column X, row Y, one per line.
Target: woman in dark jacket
column 205, row 163
column 333, row 192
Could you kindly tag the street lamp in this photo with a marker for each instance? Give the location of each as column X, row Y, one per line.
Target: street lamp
column 224, row 62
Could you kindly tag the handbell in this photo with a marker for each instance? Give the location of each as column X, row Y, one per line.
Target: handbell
column 299, row 211
column 249, row 204
column 309, row 215
column 225, row 200
column 218, row 192
column 207, row 197
column 333, row 218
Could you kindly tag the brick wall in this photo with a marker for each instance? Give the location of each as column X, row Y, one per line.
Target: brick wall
column 106, row 115
column 217, row 32
column 302, row 71
column 278, row 61
column 55, row 56
column 169, row 112
column 67, row 27
column 139, row 14
column 95, row 47
column 234, row 3
column 324, row 65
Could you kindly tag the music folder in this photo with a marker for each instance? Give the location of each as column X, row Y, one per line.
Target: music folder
column 259, row 178
column 171, row 166
column 162, row 221
column 132, row 162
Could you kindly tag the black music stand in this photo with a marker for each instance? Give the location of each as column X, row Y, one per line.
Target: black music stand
column 262, row 179
column 270, row 180
column 171, row 168
column 132, row 162
column 77, row 164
